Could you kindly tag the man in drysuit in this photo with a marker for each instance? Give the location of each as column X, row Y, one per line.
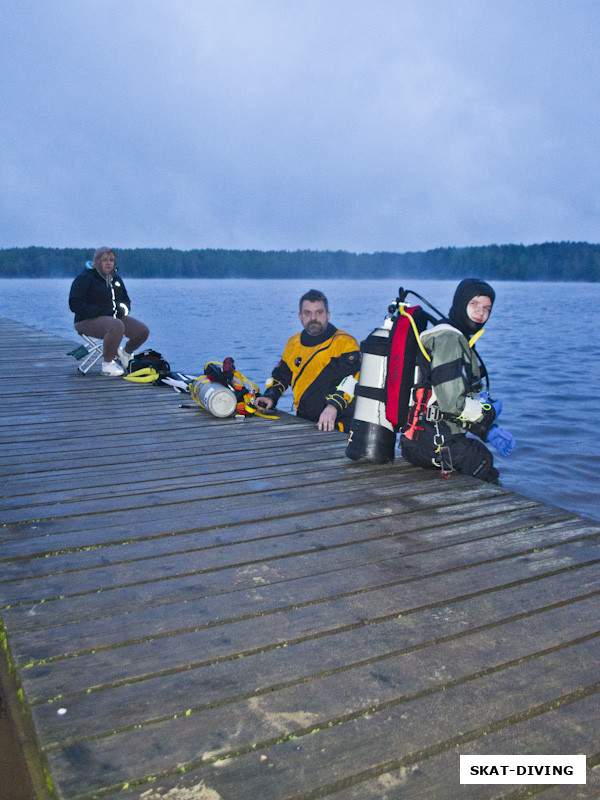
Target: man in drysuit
column 321, row 364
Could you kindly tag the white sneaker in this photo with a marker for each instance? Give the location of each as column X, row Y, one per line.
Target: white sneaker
column 111, row 369
column 124, row 357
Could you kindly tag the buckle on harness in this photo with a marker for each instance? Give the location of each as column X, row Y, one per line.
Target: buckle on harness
column 433, row 414
column 443, row 461
column 442, row 458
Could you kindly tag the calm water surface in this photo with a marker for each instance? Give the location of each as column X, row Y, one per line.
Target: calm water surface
column 541, row 347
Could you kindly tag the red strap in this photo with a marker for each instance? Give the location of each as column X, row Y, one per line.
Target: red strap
column 401, row 330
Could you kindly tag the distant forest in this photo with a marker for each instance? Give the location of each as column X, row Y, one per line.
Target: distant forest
column 552, row 261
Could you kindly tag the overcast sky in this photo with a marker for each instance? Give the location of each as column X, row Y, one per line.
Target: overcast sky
column 360, row 125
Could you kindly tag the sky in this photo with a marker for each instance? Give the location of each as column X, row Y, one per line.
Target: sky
column 359, row 125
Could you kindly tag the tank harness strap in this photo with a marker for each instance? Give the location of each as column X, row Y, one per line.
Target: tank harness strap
column 375, row 346
column 416, row 412
column 371, row 393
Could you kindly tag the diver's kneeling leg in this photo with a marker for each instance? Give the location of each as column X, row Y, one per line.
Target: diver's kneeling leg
column 418, row 452
column 471, row 457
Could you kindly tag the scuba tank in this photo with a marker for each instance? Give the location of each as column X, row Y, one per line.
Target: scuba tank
column 215, row 391
column 220, row 400
column 371, row 435
column 385, row 382
column 224, row 391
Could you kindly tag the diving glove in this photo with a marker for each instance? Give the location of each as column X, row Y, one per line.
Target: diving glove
column 485, row 399
column 481, row 413
column 501, row 439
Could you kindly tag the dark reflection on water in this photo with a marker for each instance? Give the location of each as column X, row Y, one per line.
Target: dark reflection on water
column 541, row 346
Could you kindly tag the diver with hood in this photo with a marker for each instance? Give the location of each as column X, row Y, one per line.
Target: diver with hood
column 448, row 400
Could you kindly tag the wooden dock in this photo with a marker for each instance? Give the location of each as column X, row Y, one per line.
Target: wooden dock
column 204, row 609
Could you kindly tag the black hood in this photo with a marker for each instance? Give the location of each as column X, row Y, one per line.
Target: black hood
column 465, row 292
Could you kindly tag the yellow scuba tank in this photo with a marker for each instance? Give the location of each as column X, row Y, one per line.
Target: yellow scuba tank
column 372, row 437
column 214, row 397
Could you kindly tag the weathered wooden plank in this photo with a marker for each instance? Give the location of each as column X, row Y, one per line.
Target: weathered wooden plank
column 328, row 469
column 186, row 461
column 209, row 641
column 386, row 557
column 417, row 613
column 384, row 650
column 274, row 542
column 46, row 537
column 342, row 570
column 29, row 616
column 186, row 446
column 207, row 509
column 272, row 487
column 353, row 562
column 562, row 729
column 121, row 432
column 37, row 413
column 150, row 405
column 324, row 754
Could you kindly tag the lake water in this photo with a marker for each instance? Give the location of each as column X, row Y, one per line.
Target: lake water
column 541, row 347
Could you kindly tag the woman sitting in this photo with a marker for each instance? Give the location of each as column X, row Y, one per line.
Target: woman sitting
column 101, row 305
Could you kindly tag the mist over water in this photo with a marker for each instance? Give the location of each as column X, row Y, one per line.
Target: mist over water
column 541, row 347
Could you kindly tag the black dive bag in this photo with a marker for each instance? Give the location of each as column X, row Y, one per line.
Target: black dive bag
column 151, row 359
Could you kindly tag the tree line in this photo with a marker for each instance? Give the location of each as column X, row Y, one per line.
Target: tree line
column 551, row 261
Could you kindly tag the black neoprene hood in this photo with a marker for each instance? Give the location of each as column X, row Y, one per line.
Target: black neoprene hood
column 465, row 292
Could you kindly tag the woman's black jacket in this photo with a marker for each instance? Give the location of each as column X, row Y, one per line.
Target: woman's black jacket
column 92, row 296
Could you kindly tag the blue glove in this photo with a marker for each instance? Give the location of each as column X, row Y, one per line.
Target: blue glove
column 502, row 440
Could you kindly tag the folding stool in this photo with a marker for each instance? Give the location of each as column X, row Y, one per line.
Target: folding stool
column 90, row 352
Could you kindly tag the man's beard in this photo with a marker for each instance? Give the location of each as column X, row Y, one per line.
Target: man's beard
column 315, row 328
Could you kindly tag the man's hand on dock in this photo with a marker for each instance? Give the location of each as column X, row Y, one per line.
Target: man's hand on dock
column 327, row 419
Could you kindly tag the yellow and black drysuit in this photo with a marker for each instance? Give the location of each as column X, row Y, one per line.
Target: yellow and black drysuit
column 315, row 367
column 444, row 405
